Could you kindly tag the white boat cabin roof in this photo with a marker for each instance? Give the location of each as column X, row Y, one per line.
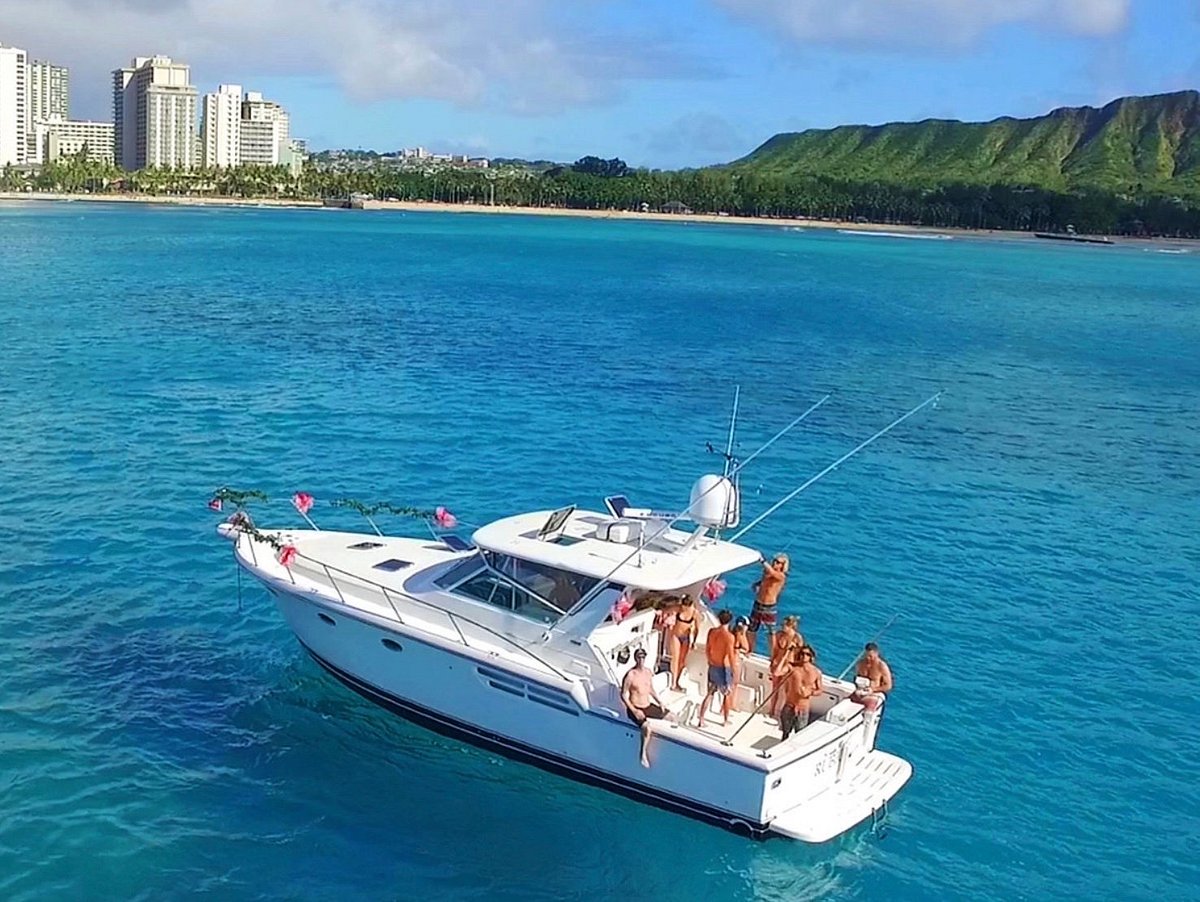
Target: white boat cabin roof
column 594, row 544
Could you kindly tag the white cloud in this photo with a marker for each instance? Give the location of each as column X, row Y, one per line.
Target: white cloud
column 952, row 24
column 525, row 56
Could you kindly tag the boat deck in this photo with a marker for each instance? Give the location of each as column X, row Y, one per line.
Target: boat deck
column 750, row 729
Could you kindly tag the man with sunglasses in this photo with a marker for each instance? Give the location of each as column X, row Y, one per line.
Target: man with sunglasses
column 801, row 684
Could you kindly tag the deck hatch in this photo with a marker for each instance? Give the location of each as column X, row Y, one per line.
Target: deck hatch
column 364, row 546
column 391, row 565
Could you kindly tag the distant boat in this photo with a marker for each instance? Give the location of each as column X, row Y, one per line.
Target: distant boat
column 1071, row 235
column 879, row 233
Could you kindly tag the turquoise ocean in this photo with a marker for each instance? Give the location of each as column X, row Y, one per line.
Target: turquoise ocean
column 163, row 735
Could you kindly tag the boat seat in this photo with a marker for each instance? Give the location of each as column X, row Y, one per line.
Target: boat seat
column 842, row 712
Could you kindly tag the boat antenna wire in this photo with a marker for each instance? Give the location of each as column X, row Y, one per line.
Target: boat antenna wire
column 833, row 466
column 586, row 599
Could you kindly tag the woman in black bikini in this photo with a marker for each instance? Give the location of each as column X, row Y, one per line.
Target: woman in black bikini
column 683, row 638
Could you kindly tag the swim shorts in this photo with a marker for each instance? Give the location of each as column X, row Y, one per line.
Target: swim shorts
column 719, row 678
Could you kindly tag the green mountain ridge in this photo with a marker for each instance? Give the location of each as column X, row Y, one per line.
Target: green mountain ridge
column 1133, row 145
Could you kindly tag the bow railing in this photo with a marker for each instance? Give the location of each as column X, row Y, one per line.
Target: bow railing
column 355, row 585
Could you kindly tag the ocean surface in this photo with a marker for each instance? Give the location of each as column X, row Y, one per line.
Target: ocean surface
column 1036, row 533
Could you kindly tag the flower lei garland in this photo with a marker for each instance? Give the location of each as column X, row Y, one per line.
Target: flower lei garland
column 303, row 502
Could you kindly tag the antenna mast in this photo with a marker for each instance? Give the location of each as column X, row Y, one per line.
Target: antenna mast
column 642, row 542
column 737, row 392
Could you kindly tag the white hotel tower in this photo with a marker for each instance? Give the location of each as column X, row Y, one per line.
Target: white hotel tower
column 154, row 115
column 221, row 129
column 14, row 106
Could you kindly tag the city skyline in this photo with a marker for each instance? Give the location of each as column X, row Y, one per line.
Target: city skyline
column 656, row 83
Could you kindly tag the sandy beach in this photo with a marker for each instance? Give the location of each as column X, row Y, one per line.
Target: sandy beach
column 702, row 218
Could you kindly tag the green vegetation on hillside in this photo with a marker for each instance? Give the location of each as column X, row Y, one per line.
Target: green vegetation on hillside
column 1132, row 146
column 1132, row 168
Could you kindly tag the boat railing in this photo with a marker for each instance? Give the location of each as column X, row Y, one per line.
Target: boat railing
column 391, row 596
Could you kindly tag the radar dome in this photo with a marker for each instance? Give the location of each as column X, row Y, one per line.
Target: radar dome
column 715, row 502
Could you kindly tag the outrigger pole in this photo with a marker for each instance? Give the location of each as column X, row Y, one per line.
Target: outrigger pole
column 833, row 466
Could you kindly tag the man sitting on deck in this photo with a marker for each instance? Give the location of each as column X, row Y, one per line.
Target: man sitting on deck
column 641, row 701
column 721, row 662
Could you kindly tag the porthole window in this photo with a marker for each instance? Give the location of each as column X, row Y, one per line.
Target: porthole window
column 391, row 645
column 325, row 618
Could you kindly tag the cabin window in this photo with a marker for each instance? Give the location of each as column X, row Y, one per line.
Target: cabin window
column 489, row 588
column 561, row 588
column 458, row 573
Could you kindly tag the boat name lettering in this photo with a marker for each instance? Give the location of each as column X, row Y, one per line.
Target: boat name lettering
column 830, row 757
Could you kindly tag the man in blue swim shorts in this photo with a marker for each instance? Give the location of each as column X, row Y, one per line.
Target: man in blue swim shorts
column 721, row 657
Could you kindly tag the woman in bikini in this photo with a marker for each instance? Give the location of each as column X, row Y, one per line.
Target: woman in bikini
column 783, row 647
column 683, row 638
column 741, row 647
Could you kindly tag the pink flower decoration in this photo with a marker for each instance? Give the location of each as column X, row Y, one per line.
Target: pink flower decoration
column 714, row 589
column 303, row 502
column 215, row 504
column 444, row 519
column 621, row 608
column 287, row 555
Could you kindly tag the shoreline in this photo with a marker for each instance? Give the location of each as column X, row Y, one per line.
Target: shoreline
column 882, row 229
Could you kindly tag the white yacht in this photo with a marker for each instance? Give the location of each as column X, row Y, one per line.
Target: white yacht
column 514, row 641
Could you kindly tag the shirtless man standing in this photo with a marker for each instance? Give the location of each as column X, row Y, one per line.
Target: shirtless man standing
column 871, row 666
column 641, row 701
column 801, row 684
column 766, row 598
column 721, row 662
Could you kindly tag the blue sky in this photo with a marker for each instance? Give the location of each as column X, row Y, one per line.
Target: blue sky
column 657, row 83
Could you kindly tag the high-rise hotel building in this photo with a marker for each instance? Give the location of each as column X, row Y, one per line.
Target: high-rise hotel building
column 14, row 106
column 154, row 115
column 265, row 131
column 49, row 105
column 49, row 92
column 242, row 129
column 220, row 131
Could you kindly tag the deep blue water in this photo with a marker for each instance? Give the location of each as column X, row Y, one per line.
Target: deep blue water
column 1037, row 534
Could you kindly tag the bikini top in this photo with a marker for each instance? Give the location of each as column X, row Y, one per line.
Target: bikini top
column 679, row 619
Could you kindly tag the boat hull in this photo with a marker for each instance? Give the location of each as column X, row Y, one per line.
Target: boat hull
column 552, row 723
column 540, row 758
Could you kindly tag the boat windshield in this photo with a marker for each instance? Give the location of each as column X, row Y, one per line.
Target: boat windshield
column 562, row 588
column 473, row 578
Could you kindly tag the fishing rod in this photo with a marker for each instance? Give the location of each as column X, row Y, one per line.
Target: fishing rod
column 675, row 519
column 833, row 466
column 875, row 638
